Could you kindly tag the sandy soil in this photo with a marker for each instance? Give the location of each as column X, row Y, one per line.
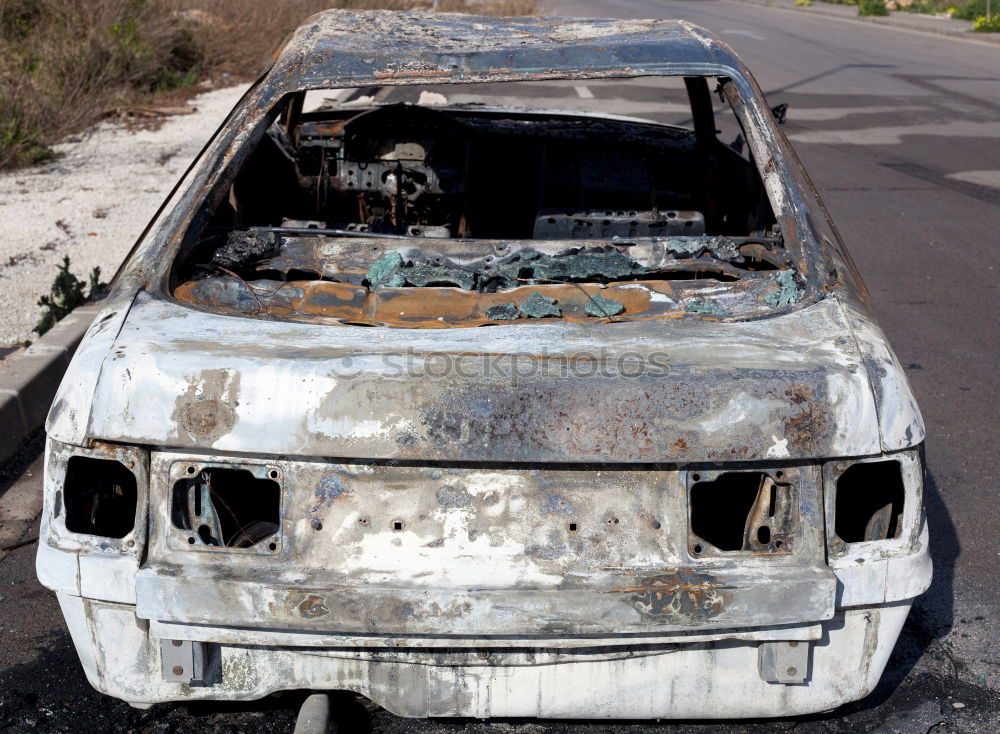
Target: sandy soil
column 91, row 203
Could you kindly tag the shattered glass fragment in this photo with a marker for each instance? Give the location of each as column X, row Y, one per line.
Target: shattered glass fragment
column 721, row 248
column 537, row 306
column 788, row 291
column 592, row 264
column 385, row 272
column 600, row 306
column 705, row 306
column 502, row 312
column 427, row 275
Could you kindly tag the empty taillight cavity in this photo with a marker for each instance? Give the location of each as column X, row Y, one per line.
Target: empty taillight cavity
column 742, row 511
column 869, row 502
column 227, row 507
column 100, row 497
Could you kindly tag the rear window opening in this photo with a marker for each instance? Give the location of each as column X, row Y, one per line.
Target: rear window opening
column 100, row 497
column 869, row 502
column 347, row 206
column 742, row 511
column 227, row 507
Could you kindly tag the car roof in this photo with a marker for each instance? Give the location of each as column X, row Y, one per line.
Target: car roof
column 349, row 48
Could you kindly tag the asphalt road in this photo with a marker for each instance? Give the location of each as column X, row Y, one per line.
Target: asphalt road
column 901, row 134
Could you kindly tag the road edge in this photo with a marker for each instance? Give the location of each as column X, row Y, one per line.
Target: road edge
column 891, row 21
column 29, row 380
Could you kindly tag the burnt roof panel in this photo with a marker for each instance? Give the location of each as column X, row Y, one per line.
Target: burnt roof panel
column 343, row 47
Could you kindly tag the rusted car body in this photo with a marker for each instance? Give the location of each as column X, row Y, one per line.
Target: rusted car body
column 679, row 475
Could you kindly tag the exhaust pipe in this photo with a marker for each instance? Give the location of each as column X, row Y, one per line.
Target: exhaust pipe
column 314, row 716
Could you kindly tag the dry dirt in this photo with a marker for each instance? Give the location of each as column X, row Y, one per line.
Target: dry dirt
column 92, row 202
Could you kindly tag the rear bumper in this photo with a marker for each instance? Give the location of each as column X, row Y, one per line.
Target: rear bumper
column 678, row 599
column 711, row 679
column 531, row 593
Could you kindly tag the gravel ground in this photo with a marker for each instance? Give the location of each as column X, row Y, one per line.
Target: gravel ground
column 91, row 203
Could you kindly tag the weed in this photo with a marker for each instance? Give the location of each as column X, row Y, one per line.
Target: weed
column 872, row 7
column 972, row 10
column 64, row 63
column 19, row 137
column 987, row 25
column 66, row 294
column 962, row 9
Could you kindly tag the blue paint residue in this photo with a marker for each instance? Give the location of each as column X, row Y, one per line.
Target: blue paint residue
column 558, row 504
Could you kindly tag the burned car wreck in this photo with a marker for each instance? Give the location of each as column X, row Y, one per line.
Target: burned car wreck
column 478, row 411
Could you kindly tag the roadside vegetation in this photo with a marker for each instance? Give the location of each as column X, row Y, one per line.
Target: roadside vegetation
column 872, row 7
column 974, row 10
column 67, row 293
column 64, row 64
column 969, row 10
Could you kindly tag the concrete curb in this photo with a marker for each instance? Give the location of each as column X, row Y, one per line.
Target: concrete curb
column 900, row 21
column 28, row 381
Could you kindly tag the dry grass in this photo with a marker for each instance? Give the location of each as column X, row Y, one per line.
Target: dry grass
column 238, row 36
column 64, row 63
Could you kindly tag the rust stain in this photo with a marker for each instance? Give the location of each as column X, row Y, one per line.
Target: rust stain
column 429, row 307
column 206, row 409
column 207, row 418
column 313, row 607
column 683, row 593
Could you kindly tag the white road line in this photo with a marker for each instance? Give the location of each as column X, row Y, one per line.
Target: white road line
column 317, row 98
column 748, row 34
column 431, row 99
column 821, row 114
column 610, row 106
column 583, row 92
column 893, row 135
column 982, row 178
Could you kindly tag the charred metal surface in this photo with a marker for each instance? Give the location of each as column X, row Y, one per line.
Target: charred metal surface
column 376, row 48
column 532, row 519
column 375, row 282
column 741, row 391
column 401, row 548
column 682, row 593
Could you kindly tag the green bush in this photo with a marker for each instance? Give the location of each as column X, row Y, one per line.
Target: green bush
column 66, row 294
column 927, row 7
column 971, row 10
column 872, row 7
column 961, row 9
column 987, row 25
